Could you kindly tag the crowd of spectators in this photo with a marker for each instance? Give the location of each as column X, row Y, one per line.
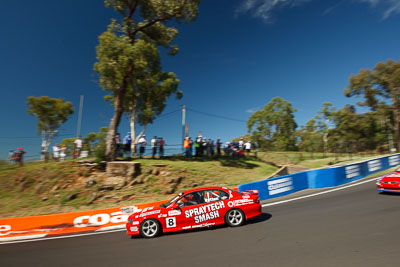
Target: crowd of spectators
column 209, row 148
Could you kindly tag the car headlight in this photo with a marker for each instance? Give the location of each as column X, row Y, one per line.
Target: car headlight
column 379, row 180
column 130, row 220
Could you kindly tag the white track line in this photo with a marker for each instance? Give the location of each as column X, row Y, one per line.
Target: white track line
column 263, row 205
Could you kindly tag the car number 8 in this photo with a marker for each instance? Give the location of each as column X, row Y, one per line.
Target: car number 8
column 171, row 222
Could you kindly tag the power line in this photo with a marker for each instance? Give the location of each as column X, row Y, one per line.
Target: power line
column 216, row 116
column 27, row 137
column 169, row 113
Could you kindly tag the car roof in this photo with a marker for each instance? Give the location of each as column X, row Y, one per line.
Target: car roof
column 204, row 188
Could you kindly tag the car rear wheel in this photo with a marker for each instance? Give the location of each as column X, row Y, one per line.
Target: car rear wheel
column 234, row 217
column 149, row 228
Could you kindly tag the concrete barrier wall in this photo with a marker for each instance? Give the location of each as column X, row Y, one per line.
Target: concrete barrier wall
column 320, row 178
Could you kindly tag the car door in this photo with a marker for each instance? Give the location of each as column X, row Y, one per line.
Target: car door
column 191, row 206
column 216, row 200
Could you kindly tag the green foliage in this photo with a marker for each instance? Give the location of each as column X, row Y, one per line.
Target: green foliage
column 129, row 61
column 310, row 139
column 273, row 127
column 69, row 143
column 380, row 88
column 51, row 112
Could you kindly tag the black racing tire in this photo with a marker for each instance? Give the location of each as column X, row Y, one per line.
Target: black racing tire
column 235, row 218
column 150, row 228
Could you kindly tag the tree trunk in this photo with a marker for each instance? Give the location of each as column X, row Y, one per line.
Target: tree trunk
column 133, row 134
column 111, row 151
column 396, row 118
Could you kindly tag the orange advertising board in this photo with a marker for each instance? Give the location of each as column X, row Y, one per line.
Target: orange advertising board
column 66, row 223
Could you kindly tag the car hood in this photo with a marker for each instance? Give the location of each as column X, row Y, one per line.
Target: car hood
column 395, row 176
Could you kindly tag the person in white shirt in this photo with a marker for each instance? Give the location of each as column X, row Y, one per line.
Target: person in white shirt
column 154, row 146
column 62, row 153
column 241, row 143
column 78, row 143
column 247, row 146
column 142, row 142
column 56, row 152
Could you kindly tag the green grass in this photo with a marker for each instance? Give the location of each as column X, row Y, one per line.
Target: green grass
column 313, row 160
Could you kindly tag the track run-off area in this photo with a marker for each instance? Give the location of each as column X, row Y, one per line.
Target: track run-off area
column 351, row 225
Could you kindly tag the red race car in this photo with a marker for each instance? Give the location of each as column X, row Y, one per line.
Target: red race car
column 196, row 208
column 390, row 183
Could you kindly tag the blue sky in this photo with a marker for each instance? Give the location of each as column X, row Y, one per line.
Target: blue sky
column 233, row 60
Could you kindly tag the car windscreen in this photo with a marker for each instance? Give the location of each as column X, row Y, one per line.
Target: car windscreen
column 172, row 200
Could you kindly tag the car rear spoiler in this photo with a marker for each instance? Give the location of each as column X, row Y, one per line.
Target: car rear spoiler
column 250, row 192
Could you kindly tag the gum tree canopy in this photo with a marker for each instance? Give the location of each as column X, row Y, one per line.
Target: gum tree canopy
column 51, row 112
column 274, row 126
column 381, row 90
column 129, row 61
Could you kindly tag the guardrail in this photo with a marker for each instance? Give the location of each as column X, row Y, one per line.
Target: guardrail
column 320, row 178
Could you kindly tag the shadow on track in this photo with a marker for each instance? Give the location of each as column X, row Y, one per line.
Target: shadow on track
column 262, row 218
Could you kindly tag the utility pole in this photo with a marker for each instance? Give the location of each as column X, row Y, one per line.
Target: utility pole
column 183, row 125
column 78, row 131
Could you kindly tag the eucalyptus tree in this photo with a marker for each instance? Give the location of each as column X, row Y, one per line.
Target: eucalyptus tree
column 275, row 123
column 129, row 60
column 310, row 138
column 51, row 113
column 324, row 119
column 380, row 86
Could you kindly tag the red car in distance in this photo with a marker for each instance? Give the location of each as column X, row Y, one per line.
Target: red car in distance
column 389, row 183
column 196, row 208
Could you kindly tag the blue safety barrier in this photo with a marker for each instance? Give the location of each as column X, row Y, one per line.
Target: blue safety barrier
column 320, row 178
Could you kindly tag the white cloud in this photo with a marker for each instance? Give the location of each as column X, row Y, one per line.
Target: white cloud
column 252, row 110
column 264, row 9
column 390, row 7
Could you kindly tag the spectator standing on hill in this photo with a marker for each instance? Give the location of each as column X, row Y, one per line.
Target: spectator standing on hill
column 11, row 155
column 56, row 152
column 196, row 147
column 19, row 157
column 203, row 146
column 161, row 144
column 190, row 146
column 241, row 143
column 127, row 144
column 247, row 146
column 210, row 148
column 187, row 147
column 142, row 142
column 218, row 145
column 63, row 150
column 199, row 141
column 154, row 146
column 78, row 143
column 227, row 149
column 118, row 144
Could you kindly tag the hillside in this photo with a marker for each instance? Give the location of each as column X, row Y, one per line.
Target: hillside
column 54, row 187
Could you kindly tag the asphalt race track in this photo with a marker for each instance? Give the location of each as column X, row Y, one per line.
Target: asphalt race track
column 355, row 226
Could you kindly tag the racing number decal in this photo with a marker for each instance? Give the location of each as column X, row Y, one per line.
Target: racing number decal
column 170, row 222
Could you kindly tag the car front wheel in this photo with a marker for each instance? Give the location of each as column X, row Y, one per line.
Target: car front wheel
column 234, row 218
column 149, row 228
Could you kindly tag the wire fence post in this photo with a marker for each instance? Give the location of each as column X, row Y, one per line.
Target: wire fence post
column 183, row 125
